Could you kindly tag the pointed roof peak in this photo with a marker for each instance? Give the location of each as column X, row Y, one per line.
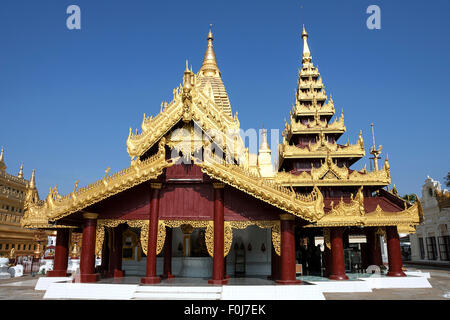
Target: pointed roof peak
column 20, row 175
column 304, row 33
column 2, row 163
column 209, row 65
column 33, row 180
column 210, row 35
column 306, row 57
column 264, row 146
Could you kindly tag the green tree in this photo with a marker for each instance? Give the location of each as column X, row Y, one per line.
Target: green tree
column 447, row 179
column 410, row 197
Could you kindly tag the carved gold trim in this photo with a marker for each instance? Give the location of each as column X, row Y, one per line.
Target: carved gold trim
column 209, row 234
column 156, row 185
column 143, row 225
column 191, row 102
column 309, row 207
column 40, row 213
column 353, row 214
column 329, row 173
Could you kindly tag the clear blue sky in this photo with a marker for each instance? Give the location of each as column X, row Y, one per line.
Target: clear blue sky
column 68, row 97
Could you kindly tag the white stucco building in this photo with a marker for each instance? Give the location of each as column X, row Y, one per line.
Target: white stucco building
column 431, row 243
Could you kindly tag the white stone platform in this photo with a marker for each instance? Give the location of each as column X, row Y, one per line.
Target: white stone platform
column 236, row 289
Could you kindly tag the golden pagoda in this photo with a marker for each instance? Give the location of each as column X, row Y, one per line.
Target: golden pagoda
column 14, row 238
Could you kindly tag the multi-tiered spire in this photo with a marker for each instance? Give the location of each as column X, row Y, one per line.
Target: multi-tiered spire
column 209, row 75
column 310, row 138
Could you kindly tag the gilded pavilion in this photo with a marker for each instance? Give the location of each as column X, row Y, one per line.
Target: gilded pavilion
column 14, row 239
column 189, row 170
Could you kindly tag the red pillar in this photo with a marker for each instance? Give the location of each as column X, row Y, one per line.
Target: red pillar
column 394, row 253
column 337, row 254
column 61, row 254
column 150, row 276
column 87, row 260
column 287, row 275
column 115, row 255
column 373, row 247
column 168, row 255
column 218, row 259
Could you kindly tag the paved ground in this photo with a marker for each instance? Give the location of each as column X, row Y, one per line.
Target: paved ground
column 440, row 280
column 23, row 289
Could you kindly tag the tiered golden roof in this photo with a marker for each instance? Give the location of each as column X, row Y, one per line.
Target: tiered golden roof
column 201, row 102
column 314, row 113
column 311, row 116
column 330, row 174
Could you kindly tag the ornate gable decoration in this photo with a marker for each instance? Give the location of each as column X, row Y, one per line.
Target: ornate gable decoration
column 40, row 214
column 352, row 213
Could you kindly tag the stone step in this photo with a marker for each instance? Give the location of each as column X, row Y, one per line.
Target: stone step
column 179, row 289
column 159, row 292
column 176, row 296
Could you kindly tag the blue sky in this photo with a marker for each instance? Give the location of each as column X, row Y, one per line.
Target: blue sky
column 68, row 97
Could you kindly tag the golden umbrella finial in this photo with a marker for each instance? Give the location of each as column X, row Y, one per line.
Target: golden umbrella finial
column 304, row 33
column 209, row 65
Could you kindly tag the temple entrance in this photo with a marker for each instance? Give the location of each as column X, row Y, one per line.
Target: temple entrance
column 190, row 256
column 249, row 255
column 250, row 252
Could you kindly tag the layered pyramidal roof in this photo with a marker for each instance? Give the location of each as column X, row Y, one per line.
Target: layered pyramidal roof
column 310, row 152
column 314, row 182
column 197, row 126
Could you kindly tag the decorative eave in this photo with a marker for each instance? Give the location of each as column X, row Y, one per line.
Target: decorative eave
column 321, row 149
column 41, row 213
column 315, row 127
column 303, row 110
column 310, row 96
column 353, row 214
column 309, row 207
column 330, row 174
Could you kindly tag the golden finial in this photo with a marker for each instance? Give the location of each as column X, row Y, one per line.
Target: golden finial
column 306, row 58
column 187, row 68
column 209, row 65
column 2, row 163
column 210, row 35
column 33, row 180
column 20, row 175
column 373, row 136
column 106, row 172
column 374, row 151
column 304, row 33
column 264, row 145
